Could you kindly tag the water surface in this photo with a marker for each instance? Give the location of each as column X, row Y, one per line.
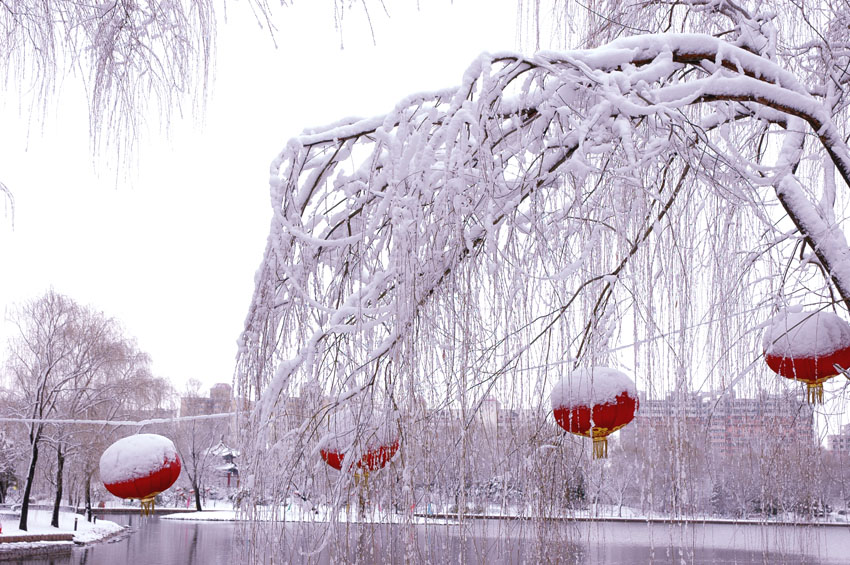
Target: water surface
column 158, row 541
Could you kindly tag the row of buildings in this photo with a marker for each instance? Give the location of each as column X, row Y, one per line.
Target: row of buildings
column 725, row 422
column 731, row 423
column 220, row 401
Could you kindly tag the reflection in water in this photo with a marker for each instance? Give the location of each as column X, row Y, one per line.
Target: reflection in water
column 155, row 541
column 507, row 542
column 488, row 542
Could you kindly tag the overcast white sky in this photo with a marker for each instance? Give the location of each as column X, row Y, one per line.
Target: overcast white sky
column 172, row 253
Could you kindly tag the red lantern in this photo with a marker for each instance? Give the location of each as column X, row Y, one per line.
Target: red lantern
column 595, row 403
column 374, row 459
column 807, row 347
column 375, row 439
column 140, row 466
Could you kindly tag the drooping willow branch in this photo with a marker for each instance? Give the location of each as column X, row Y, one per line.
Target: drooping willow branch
column 373, row 218
column 759, row 81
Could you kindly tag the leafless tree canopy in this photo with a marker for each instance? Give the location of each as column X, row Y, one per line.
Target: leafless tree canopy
column 71, row 363
column 138, row 59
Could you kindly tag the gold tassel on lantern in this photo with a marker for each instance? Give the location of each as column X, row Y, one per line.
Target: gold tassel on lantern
column 148, row 504
column 814, row 392
column 599, row 435
column 600, row 447
column 814, row 389
column 361, row 478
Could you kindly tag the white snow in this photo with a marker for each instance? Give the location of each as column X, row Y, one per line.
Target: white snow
column 376, row 514
column 204, row 516
column 826, row 236
column 39, row 523
column 805, row 334
column 597, row 385
column 135, row 456
column 346, row 429
column 439, row 242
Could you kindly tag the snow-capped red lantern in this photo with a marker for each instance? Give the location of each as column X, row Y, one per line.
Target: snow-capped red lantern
column 140, row 466
column 374, row 459
column 375, row 443
column 807, row 347
column 595, row 403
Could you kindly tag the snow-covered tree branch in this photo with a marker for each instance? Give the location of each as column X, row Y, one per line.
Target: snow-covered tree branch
column 480, row 238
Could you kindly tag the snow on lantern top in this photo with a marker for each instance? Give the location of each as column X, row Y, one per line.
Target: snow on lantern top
column 135, row 457
column 589, row 387
column 346, row 430
column 805, row 334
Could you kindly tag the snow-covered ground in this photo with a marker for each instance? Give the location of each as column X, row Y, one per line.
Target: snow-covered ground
column 305, row 513
column 205, row 516
column 223, row 512
column 39, row 523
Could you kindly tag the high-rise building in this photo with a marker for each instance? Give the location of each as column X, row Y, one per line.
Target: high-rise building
column 220, row 401
column 725, row 423
column 839, row 443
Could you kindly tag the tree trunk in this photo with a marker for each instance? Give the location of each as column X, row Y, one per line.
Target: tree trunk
column 25, row 504
column 197, row 494
column 60, row 465
column 88, row 498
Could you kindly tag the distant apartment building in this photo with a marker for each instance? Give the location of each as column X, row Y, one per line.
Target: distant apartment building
column 735, row 423
column 309, row 402
column 839, row 443
column 294, row 411
column 486, row 415
column 512, row 419
column 725, row 424
column 489, row 416
column 220, row 401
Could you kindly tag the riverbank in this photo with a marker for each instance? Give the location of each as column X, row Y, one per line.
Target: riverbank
column 295, row 513
column 40, row 538
column 320, row 514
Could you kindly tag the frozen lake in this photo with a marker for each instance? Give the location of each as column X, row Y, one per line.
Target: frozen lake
column 157, row 541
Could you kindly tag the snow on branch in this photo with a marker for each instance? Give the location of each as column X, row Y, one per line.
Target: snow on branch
column 398, row 241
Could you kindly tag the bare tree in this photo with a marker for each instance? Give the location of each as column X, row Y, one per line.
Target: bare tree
column 134, row 56
column 121, row 384
column 40, row 364
column 137, row 58
column 65, row 362
column 88, row 388
column 195, row 440
column 7, row 464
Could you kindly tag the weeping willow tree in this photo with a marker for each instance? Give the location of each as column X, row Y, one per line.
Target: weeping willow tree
column 645, row 202
column 137, row 58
